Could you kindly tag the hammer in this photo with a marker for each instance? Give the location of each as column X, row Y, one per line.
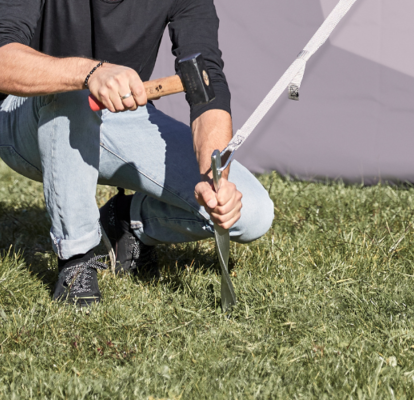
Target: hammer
column 193, row 79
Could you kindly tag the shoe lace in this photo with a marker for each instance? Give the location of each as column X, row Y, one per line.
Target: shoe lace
column 136, row 252
column 142, row 255
column 136, row 249
column 79, row 276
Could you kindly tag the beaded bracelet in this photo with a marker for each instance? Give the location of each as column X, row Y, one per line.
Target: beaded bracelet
column 90, row 73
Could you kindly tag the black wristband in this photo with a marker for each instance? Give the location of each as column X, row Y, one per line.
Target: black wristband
column 90, row 73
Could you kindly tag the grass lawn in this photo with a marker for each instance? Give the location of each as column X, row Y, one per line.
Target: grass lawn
column 325, row 311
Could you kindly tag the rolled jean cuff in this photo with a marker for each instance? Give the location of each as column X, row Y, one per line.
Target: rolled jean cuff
column 66, row 248
column 136, row 221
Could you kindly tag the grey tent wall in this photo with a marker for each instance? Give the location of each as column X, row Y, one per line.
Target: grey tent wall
column 355, row 117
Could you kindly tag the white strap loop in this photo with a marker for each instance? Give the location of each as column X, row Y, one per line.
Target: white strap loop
column 294, row 86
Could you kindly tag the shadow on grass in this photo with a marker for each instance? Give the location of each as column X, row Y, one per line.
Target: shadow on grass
column 26, row 230
column 184, row 264
column 197, row 256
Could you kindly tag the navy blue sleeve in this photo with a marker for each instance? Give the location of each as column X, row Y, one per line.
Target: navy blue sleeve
column 193, row 29
column 18, row 20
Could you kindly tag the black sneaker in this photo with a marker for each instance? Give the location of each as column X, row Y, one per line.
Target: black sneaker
column 131, row 254
column 78, row 281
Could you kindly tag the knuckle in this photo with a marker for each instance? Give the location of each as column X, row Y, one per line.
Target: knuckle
column 221, row 200
column 137, row 91
column 117, row 79
column 111, row 84
column 202, row 191
column 131, row 74
column 140, row 101
column 128, row 103
column 102, row 93
column 227, row 225
column 220, row 210
column 143, row 98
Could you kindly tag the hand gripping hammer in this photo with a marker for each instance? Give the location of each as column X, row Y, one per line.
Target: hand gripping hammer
column 193, row 79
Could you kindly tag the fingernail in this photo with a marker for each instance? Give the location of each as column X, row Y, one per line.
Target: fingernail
column 211, row 203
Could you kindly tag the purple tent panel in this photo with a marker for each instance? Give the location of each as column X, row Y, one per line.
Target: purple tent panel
column 356, row 110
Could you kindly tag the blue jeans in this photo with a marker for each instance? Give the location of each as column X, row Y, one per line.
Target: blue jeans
column 58, row 140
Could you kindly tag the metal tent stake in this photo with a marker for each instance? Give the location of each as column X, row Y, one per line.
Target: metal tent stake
column 228, row 297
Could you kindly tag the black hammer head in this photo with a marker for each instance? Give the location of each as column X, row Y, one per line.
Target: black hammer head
column 196, row 80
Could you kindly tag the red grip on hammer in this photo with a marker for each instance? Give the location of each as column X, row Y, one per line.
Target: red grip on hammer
column 95, row 104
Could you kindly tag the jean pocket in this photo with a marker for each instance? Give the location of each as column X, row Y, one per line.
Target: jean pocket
column 19, row 164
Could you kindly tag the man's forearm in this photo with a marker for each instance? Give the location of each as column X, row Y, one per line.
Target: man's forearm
column 26, row 72
column 211, row 131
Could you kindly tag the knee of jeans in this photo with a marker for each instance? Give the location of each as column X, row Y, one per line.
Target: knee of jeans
column 256, row 219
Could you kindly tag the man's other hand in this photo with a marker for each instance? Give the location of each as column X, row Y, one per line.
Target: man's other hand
column 224, row 207
column 110, row 82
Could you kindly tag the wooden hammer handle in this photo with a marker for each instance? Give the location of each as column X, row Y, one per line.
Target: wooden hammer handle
column 154, row 89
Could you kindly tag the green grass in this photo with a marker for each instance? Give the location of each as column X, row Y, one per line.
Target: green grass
column 326, row 307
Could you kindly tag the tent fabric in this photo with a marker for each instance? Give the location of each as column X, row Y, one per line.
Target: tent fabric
column 356, row 110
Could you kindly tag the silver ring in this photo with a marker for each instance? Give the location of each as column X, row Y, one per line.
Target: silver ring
column 126, row 96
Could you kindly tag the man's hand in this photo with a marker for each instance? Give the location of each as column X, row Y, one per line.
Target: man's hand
column 211, row 131
column 224, row 207
column 27, row 72
column 110, row 82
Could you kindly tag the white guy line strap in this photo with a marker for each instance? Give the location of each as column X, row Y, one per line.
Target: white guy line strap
column 292, row 77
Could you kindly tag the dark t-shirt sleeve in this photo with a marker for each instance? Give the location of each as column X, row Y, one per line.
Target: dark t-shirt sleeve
column 18, row 20
column 193, row 29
